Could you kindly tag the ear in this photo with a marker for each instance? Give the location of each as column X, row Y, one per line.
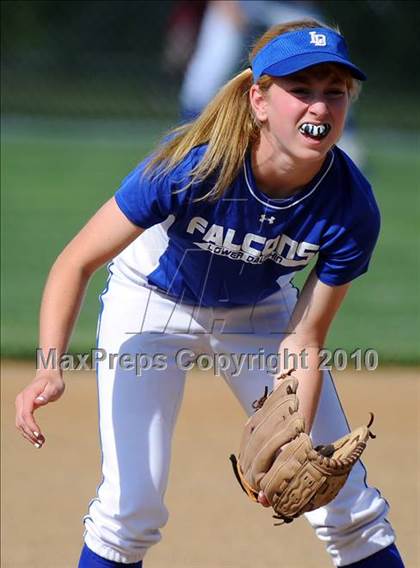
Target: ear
column 258, row 101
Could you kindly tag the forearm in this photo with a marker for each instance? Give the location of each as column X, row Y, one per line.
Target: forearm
column 105, row 235
column 305, row 356
column 61, row 302
column 306, row 334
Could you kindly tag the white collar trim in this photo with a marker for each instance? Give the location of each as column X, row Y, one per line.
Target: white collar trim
column 268, row 204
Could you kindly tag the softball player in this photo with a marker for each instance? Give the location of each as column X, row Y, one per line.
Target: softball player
column 205, row 236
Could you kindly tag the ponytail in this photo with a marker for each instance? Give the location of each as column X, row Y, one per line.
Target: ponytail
column 226, row 125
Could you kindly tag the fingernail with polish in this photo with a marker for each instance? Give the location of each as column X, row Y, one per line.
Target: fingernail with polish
column 37, row 446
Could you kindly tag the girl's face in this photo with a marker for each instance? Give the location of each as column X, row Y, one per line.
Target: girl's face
column 303, row 114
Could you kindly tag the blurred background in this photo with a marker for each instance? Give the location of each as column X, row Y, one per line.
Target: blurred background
column 89, row 87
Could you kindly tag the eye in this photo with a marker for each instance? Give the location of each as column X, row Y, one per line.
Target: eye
column 335, row 93
column 300, row 91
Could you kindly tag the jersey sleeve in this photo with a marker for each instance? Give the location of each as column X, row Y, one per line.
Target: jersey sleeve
column 348, row 246
column 145, row 200
column 148, row 199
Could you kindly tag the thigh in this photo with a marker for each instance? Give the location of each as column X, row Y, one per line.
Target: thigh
column 250, row 337
column 140, row 389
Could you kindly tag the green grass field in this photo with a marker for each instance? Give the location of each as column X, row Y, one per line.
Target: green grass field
column 55, row 175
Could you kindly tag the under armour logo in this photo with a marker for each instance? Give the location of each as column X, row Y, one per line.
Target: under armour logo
column 320, row 40
column 270, row 220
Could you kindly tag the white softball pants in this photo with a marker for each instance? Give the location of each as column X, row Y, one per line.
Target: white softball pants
column 137, row 417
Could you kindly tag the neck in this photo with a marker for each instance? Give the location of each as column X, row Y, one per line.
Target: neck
column 279, row 174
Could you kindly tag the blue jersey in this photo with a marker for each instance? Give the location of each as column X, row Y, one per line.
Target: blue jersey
column 245, row 246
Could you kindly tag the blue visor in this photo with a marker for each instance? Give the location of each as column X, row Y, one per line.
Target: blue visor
column 293, row 51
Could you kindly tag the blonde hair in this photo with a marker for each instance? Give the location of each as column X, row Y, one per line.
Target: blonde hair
column 227, row 124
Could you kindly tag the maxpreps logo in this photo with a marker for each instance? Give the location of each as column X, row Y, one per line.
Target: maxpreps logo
column 255, row 249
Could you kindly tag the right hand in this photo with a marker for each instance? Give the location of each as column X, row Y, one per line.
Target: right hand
column 43, row 389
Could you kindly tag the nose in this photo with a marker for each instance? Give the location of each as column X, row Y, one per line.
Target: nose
column 318, row 107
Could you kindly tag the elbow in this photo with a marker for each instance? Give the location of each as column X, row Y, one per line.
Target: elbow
column 67, row 262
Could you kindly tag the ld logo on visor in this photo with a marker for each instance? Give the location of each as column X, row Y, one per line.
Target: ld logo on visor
column 320, row 40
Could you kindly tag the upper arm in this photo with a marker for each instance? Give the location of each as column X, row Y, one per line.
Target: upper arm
column 106, row 234
column 315, row 310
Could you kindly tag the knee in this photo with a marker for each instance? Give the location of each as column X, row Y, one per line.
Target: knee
column 128, row 525
column 89, row 559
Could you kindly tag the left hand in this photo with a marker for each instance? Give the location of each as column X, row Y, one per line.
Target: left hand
column 262, row 499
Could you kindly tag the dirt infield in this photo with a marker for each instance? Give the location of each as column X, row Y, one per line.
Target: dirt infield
column 45, row 493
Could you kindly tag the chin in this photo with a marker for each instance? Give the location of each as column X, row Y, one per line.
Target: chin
column 302, row 147
column 313, row 153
